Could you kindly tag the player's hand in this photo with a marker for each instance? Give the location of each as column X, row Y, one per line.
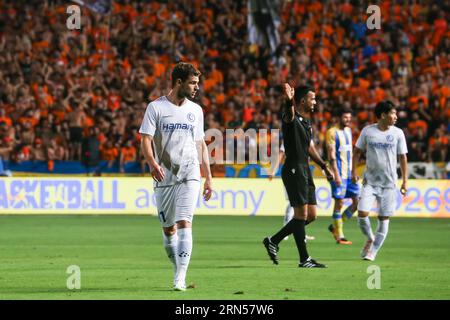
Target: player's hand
column 355, row 178
column 270, row 176
column 207, row 189
column 338, row 180
column 289, row 91
column 403, row 188
column 157, row 172
column 329, row 174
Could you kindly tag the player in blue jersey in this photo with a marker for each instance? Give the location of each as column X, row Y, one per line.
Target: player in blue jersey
column 339, row 147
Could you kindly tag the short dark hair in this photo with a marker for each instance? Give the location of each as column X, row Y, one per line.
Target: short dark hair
column 301, row 92
column 342, row 111
column 183, row 71
column 383, row 107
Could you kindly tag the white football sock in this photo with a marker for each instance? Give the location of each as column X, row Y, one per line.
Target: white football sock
column 170, row 244
column 288, row 214
column 184, row 250
column 364, row 225
column 382, row 231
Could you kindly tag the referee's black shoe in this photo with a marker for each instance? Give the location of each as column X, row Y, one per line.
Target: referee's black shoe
column 311, row 263
column 272, row 249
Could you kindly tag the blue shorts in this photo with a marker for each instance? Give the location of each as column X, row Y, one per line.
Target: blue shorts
column 347, row 189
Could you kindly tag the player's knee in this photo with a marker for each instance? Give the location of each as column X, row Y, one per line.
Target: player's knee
column 383, row 218
column 301, row 212
column 339, row 204
column 362, row 214
column 170, row 231
column 184, row 224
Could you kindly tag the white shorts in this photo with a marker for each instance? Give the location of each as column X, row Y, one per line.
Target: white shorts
column 177, row 202
column 386, row 198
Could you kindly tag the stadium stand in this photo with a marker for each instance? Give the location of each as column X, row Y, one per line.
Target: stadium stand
column 57, row 84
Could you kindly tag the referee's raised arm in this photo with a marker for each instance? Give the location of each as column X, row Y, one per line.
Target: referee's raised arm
column 289, row 111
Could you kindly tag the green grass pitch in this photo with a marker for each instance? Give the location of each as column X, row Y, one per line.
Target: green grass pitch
column 122, row 257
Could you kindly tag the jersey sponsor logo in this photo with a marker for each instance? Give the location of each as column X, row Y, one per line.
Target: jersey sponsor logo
column 390, row 138
column 191, row 117
column 177, row 126
column 380, row 145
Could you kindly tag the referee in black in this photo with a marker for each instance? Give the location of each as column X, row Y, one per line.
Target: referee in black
column 296, row 175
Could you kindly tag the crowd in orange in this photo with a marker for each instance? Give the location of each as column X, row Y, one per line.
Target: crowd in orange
column 56, row 84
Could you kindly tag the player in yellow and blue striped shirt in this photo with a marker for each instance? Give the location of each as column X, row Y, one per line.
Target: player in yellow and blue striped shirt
column 339, row 146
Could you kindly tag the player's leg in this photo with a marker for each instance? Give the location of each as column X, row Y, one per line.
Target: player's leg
column 295, row 181
column 312, row 202
column 297, row 227
column 350, row 210
column 289, row 212
column 311, row 217
column 336, row 227
column 288, row 215
column 300, row 234
column 387, row 207
column 353, row 192
column 300, row 237
column 186, row 196
column 184, row 251
column 166, row 215
column 294, row 226
column 368, row 196
column 170, row 241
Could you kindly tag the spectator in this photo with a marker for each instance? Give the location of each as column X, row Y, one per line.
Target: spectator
column 38, row 151
column 56, row 83
column 109, row 153
column 128, row 154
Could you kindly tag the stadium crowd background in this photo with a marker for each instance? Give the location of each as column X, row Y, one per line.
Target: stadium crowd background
column 58, row 86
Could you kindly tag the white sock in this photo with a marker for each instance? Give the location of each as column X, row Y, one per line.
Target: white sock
column 288, row 214
column 170, row 244
column 184, row 250
column 382, row 231
column 364, row 225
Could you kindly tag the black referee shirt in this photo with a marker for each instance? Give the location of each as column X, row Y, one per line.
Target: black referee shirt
column 297, row 136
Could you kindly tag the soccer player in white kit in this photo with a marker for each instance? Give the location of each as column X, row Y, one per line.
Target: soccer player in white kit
column 382, row 142
column 172, row 144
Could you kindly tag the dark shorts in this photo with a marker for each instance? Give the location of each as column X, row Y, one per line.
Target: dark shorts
column 299, row 184
column 76, row 134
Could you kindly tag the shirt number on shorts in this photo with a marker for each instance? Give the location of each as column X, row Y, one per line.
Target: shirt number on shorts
column 161, row 216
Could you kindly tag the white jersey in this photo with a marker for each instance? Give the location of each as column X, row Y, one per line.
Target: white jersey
column 382, row 148
column 175, row 130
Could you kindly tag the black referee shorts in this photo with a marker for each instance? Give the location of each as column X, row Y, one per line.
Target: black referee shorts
column 299, row 184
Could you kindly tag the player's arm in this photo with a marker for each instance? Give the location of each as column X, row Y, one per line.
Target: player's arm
column 317, row 159
column 147, row 150
column 204, row 163
column 289, row 111
column 331, row 150
column 402, row 150
column 404, row 170
column 355, row 161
